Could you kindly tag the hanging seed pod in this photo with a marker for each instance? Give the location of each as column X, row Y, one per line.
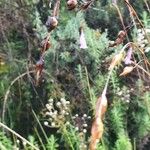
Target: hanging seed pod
column 126, row 70
column 51, row 23
column 71, row 4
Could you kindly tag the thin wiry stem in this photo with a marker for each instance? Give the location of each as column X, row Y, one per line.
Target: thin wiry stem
column 18, row 135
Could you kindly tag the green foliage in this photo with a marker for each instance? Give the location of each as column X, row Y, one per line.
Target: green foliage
column 52, row 143
column 123, row 143
column 5, row 143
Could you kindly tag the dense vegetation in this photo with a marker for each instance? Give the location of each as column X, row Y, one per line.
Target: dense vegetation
column 56, row 108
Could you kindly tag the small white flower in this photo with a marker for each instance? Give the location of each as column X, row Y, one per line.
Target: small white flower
column 84, row 130
column 63, row 111
column 67, row 113
column 24, row 143
column 50, row 100
column 142, row 45
column 76, row 115
column 45, row 123
column 67, row 123
column 76, row 128
column 89, row 117
column 58, row 103
column 53, row 124
column 67, row 102
column 18, row 141
column 85, row 115
column 139, row 30
column 55, row 112
column 62, row 100
column 147, row 49
column 85, row 125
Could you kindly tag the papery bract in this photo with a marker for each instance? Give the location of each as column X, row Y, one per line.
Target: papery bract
column 83, row 44
column 128, row 57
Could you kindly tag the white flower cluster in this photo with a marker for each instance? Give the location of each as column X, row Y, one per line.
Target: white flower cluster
column 56, row 112
column 142, row 41
column 81, row 123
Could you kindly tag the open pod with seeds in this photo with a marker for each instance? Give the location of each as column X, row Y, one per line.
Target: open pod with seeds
column 116, row 60
column 71, row 4
column 127, row 70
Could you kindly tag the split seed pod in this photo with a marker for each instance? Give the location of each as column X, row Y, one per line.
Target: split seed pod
column 51, row 23
column 71, row 4
column 126, row 70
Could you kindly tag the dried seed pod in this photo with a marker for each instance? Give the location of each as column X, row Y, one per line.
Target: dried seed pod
column 96, row 133
column 116, row 60
column 126, row 70
column 51, row 23
column 101, row 106
column 120, row 38
column 71, row 4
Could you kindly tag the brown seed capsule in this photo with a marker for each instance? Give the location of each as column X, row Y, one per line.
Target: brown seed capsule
column 51, row 23
column 71, row 4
